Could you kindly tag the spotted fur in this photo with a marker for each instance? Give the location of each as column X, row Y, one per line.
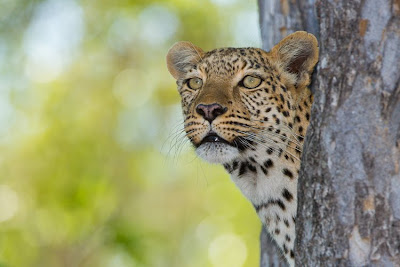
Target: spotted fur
column 260, row 130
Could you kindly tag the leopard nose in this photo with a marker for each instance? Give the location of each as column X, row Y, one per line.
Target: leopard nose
column 210, row 112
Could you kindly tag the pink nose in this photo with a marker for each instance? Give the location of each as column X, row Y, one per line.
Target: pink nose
column 210, row 112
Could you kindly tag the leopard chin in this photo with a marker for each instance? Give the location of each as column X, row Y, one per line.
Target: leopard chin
column 217, row 153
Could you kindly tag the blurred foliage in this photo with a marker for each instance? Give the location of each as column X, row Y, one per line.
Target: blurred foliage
column 94, row 167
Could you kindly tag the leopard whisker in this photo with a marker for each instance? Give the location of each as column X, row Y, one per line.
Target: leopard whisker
column 262, row 142
column 173, row 138
column 245, row 143
column 280, row 136
column 283, row 125
column 287, row 145
column 265, row 146
column 178, row 145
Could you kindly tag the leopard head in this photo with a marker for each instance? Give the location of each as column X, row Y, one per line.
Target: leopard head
column 234, row 98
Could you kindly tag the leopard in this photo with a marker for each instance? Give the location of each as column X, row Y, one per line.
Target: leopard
column 248, row 110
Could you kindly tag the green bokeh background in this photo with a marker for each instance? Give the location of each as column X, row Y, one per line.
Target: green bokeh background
column 94, row 167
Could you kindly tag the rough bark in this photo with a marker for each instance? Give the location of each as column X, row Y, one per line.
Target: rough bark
column 349, row 184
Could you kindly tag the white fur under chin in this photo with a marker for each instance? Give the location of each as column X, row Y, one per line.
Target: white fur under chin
column 218, row 153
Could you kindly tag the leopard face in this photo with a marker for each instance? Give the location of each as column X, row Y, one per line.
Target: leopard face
column 234, row 99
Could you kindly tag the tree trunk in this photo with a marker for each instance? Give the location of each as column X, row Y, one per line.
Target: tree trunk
column 349, row 184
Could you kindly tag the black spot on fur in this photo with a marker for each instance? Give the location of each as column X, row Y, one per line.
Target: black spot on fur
column 286, row 222
column 271, row 202
column 292, row 254
column 280, row 204
column 251, row 168
column 280, row 152
column 264, row 170
column 285, row 249
column 228, row 167
column 288, row 173
column 287, row 195
column 243, row 168
column 268, row 163
column 235, row 164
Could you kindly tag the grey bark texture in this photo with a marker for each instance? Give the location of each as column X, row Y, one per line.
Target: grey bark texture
column 349, row 184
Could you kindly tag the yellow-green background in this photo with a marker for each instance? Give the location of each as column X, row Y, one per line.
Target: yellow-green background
column 94, row 169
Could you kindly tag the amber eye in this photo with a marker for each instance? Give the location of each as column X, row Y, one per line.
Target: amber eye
column 251, row 82
column 195, row 83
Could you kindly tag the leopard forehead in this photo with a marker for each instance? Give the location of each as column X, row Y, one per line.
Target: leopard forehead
column 228, row 61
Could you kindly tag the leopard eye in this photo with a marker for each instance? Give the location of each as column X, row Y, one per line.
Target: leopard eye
column 195, row 83
column 251, row 82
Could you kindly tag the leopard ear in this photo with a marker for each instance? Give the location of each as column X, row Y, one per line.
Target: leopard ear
column 297, row 55
column 181, row 57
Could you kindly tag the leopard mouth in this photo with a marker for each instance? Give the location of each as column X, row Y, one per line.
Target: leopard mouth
column 213, row 137
column 215, row 149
